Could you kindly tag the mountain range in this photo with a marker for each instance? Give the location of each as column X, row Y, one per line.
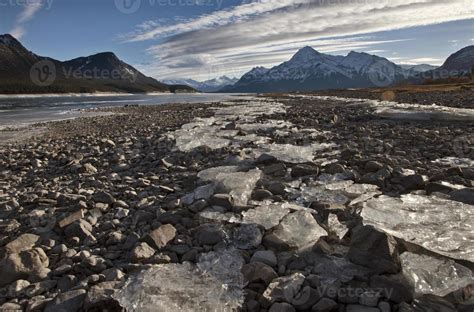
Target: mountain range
column 211, row 85
column 22, row 71
column 311, row 70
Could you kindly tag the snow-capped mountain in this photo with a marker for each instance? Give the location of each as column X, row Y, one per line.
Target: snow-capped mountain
column 309, row 69
column 418, row 68
column 211, row 85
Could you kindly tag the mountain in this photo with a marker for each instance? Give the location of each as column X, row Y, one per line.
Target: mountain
column 211, row 85
column 22, row 71
column 459, row 63
column 421, row 68
column 309, row 70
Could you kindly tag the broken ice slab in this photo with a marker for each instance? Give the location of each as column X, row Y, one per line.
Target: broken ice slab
column 455, row 162
column 224, row 266
column 211, row 173
column 293, row 153
column 250, row 110
column 435, row 276
column 180, row 287
column 267, row 215
column 443, row 226
column 298, row 230
column 331, row 267
column 220, row 216
column 268, row 125
column 239, row 185
column 337, row 227
column 322, row 195
column 187, row 140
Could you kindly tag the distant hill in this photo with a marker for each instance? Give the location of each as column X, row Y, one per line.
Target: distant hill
column 22, row 71
column 211, row 85
column 458, row 64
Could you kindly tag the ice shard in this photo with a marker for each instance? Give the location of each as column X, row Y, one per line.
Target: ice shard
column 443, row 226
column 434, row 276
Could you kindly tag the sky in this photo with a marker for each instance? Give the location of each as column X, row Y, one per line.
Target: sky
column 204, row 39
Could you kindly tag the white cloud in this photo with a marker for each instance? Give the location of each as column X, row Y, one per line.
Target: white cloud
column 269, row 32
column 28, row 12
column 421, row 60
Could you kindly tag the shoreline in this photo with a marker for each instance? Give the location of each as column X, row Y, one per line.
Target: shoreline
column 260, row 194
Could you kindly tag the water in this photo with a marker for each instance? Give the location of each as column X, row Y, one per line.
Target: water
column 25, row 109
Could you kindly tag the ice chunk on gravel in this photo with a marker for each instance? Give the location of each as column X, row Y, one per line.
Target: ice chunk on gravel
column 267, row 215
column 443, row 226
column 435, row 276
column 215, row 286
column 298, row 229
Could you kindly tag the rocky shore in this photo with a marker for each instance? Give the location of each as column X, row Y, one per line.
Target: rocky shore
column 291, row 203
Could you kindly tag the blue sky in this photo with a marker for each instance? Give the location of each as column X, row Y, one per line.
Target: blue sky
column 202, row 39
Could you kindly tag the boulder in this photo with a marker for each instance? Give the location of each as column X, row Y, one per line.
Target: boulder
column 160, row 237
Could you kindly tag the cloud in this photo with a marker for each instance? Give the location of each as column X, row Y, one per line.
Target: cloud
column 268, row 32
column 421, row 60
column 28, row 12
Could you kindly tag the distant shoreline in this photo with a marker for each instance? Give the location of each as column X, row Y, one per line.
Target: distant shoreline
column 35, row 95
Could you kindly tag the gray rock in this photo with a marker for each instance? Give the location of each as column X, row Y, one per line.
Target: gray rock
column 70, row 218
column 397, row 290
column 209, row 234
column 261, row 194
column 70, row 301
column 306, row 298
column 325, row 305
column 113, row 274
column 247, row 236
column 81, row 229
column 384, row 306
column 22, row 265
column 370, row 298
column 302, row 170
column 465, row 195
column 222, row 200
column 160, row 237
column 413, row 182
column 142, row 252
column 265, row 256
column 374, row 249
column 100, row 298
column 258, row 272
column 281, row 307
column 22, row 243
column 360, row 308
column 103, row 197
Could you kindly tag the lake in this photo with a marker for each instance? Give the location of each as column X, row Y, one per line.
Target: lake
column 19, row 110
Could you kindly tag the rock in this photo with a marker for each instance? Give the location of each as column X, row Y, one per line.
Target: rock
column 396, row 290
column 160, row 237
column 103, row 197
column 437, row 187
column 302, row 170
column 374, row 249
column 88, row 168
column 384, row 306
column 373, row 166
column 413, row 182
column 360, row 308
column 10, row 307
column 72, row 217
column 17, row 288
column 325, row 305
column 306, row 298
column 113, row 274
column 281, row 307
column 429, row 303
column 22, row 265
column 22, row 243
column 81, row 229
column 142, row 252
column 261, row 195
column 209, row 234
column 70, row 301
column 377, row 178
column 297, row 230
column 465, row 195
column 257, row 271
column 100, row 298
column 222, row 200
column 283, row 288
column 265, row 256
column 369, row 298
